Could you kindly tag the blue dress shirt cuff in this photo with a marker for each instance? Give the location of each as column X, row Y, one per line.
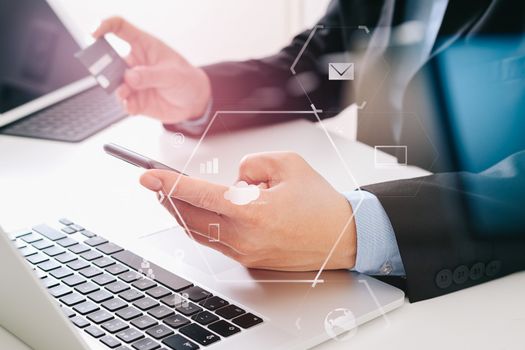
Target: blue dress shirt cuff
column 377, row 251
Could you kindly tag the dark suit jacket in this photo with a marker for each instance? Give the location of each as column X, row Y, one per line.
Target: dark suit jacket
column 435, row 218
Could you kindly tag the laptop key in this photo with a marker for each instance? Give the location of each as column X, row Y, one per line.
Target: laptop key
column 100, row 296
column 131, row 295
column 91, row 255
column 158, row 292
column 61, row 272
column 196, row 293
column 178, row 342
column 85, row 308
column 97, row 240
column 117, row 269
column 65, row 221
column 110, row 342
column 49, row 232
column 66, row 242
column 88, row 234
column 37, row 258
column 129, row 335
column 104, row 279
column 94, row 331
column 100, row 316
column 31, row 238
column 145, row 344
column 114, row 325
column 50, row 282
column 90, row 272
column 74, row 280
column 114, row 304
column 247, row 320
column 42, row 244
column 104, row 262
column 77, row 265
column 79, row 248
column 72, row 299
column 176, row 321
column 80, row 322
column 230, row 311
column 53, row 251
column 128, row 313
column 213, row 303
column 27, row 251
column 160, row 312
column 145, row 303
column 60, row 291
column 117, row 287
column 224, row 328
column 143, row 284
column 67, row 311
column 188, row 309
column 143, row 322
column 77, row 227
column 200, row 334
column 130, row 276
column 109, row 248
column 162, row 276
column 68, row 229
column 66, row 258
column 48, row 265
column 205, row 317
column 159, row 331
column 86, row 288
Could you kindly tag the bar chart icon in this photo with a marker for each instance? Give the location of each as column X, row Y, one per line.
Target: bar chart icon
column 210, row 167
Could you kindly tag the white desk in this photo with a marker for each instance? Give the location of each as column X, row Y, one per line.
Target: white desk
column 42, row 180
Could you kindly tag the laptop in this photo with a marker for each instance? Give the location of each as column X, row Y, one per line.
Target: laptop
column 66, row 287
column 45, row 92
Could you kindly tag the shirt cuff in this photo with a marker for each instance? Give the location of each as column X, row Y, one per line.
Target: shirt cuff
column 377, row 250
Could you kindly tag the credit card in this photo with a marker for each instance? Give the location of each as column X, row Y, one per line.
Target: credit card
column 104, row 63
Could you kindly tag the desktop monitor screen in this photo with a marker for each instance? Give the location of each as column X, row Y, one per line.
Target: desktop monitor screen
column 36, row 53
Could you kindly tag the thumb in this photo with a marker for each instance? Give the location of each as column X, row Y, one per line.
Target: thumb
column 146, row 77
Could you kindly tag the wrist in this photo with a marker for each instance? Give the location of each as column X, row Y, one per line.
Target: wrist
column 203, row 96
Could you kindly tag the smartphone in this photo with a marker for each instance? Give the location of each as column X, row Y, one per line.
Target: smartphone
column 135, row 158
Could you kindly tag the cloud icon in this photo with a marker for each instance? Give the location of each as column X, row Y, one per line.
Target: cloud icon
column 241, row 193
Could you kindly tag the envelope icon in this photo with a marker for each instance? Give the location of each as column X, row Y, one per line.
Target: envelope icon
column 341, row 71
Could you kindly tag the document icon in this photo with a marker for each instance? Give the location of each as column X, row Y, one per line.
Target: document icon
column 340, row 71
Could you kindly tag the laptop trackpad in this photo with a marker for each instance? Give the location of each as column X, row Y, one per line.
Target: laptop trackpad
column 175, row 243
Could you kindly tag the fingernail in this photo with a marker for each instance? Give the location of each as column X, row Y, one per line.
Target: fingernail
column 151, row 182
column 132, row 77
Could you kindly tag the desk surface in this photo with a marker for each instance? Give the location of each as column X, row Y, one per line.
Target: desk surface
column 43, row 180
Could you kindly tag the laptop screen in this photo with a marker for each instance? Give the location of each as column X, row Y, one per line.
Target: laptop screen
column 36, row 53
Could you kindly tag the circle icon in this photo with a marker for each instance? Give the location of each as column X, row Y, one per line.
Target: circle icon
column 340, row 324
column 178, row 139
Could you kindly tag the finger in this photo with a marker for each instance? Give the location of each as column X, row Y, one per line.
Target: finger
column 208, row 223
column 123, row 91
column 147, row 77
column 197, row 192
column 120, row 27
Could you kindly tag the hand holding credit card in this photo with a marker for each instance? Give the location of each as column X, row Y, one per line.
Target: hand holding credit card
column 104, row 63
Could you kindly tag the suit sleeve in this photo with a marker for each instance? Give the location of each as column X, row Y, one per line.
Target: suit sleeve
column 456, row 230
column 268, row 83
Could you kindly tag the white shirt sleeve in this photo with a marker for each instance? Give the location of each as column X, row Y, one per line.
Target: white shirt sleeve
column 377, row 251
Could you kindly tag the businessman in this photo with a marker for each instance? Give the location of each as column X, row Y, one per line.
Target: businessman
column 415, row 229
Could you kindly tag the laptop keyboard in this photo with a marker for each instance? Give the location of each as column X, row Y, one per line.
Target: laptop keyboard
column 123, row 300
column 71, row 120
